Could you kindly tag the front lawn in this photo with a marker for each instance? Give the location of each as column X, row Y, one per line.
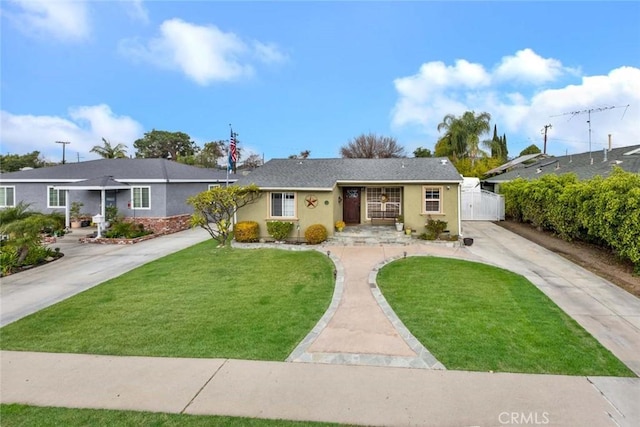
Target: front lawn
column 476, row 317
column 200, row 302
column 28, row 416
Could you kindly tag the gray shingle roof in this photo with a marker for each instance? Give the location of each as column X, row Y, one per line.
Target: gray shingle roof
column 325, row 173
column 580, row 164
column 121, row 170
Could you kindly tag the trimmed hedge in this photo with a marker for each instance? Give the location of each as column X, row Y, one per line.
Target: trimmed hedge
column 605, row 211
column 279, row 230
column 246, row 231
column 315, row 234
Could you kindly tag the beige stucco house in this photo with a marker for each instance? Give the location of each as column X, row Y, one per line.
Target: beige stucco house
column 356, row 191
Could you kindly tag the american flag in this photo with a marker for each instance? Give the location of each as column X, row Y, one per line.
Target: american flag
column 233, row 152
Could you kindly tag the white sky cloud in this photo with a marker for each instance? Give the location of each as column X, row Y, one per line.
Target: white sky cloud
column 84, row 128
column 137, row 10
column 526, row 66
column 63, row 20
column 436, row 90
column 205, row 54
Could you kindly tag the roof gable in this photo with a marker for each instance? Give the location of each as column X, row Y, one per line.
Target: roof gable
column 584, row 165
column 123, row 170
column 326, row 173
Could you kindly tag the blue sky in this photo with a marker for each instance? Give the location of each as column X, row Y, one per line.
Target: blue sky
column 294, row 76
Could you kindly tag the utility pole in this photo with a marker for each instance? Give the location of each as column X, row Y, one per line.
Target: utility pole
column 64, row 143
column 588, row 112
column 546, row 127
column 78, row 154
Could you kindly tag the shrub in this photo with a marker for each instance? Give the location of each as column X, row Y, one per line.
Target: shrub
column 434, row 227
column 279, row 230
column 126, row 230
column 8, row 259
column 315, row 234
column 604, row 211
column 246, row 231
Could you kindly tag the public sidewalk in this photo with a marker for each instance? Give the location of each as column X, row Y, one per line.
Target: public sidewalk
column 317, row 392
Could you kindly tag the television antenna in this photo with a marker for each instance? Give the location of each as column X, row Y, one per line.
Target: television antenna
column 588, row 112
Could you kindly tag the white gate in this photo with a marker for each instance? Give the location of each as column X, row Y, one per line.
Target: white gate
column 482, row 206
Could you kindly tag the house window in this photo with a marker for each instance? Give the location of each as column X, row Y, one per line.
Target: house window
column 7, row 198
column 141, row 198
column 384, row 202
column 432, row 199
column 213, row 186
column 283, row 205
column 57, row 198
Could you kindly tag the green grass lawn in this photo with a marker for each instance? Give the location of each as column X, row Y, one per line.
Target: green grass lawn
column 477, row 317
column 200, row 302
column 33, row 416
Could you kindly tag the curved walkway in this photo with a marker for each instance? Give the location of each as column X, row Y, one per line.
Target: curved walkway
column 360, row 328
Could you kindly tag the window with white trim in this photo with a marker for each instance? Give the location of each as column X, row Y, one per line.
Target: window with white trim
column 213, row 186
column 282, row 205
column 432, row 201
column 56, row 198
column 7, row 197
column 141, row 197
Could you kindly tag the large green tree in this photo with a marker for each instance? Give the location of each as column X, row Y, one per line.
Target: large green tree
column 532, row 149
column 497, row 145
column 210, row 153
column 372, row 146
column 164, row 144
column 422, row 152
column 462, row 134
column 15, row 162
column 108, row 151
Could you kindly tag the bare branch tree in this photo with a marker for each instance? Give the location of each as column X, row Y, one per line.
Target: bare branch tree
column 372, row 146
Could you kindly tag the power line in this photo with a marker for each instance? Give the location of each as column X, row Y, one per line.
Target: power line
column 589, row 111
column 64, row 144
column 545, row 129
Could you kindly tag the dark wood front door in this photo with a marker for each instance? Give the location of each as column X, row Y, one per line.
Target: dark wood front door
column 351, row 205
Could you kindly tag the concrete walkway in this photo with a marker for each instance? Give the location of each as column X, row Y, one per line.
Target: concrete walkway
column 357, row 331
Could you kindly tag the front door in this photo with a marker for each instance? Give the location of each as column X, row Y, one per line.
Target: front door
column 351, row 206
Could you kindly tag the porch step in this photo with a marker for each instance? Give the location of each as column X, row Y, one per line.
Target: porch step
column 366, row 235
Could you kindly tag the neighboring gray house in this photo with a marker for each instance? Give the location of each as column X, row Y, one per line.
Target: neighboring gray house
column 584, row 165
column 356, row 191
column 151, row 191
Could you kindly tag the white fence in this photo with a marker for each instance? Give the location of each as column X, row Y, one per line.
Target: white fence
column 482, row 206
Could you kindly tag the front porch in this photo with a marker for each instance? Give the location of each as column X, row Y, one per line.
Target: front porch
column 365, row 234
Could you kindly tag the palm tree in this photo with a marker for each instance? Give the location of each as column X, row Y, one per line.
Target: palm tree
column 462, row 134
column 106, row 151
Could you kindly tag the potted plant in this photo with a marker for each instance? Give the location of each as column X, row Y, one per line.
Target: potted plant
column 407, row 231
column 76, row 216
column 399, row 223
column 340, row 225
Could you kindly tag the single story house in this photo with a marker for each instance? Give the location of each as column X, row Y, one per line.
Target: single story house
column 584, row 165
column 356, row 191
column 149, row 191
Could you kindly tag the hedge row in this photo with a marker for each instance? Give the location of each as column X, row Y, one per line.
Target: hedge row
column 605, row 211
